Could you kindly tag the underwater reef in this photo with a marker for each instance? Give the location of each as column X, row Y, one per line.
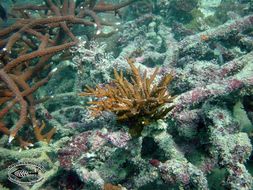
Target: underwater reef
column 127, row 94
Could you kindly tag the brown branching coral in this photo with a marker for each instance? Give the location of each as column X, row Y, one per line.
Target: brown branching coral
column 27, row 48
column 136, row 102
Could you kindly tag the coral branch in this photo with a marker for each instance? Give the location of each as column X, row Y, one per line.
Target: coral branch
column 28, row 45
column 200, row 94
column 222, row 31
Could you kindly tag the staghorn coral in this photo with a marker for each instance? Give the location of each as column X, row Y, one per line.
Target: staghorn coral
column 27, row 48
column 200, row 146
column 136, row 102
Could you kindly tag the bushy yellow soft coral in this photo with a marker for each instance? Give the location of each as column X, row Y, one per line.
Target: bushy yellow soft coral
column 135, row 103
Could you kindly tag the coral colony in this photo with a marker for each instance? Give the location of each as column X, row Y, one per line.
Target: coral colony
column 29, row 44
column 127, row 94
column 135, row 103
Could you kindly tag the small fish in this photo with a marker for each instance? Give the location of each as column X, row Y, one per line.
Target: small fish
column 3, row 13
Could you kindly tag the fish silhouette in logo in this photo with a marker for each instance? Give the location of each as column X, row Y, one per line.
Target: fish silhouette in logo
column 21, row 173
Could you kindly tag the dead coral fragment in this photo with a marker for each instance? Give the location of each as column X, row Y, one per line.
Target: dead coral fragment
column 135, row 102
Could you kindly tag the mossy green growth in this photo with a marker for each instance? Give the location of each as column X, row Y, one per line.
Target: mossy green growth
column 215, row 178
column 195, row 23
column 242, row 118
column 196, row 157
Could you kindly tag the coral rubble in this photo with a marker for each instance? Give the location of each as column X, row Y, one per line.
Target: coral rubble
column 142, row 137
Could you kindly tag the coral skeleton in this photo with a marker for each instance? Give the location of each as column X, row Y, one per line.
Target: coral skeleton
column 103, row 93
